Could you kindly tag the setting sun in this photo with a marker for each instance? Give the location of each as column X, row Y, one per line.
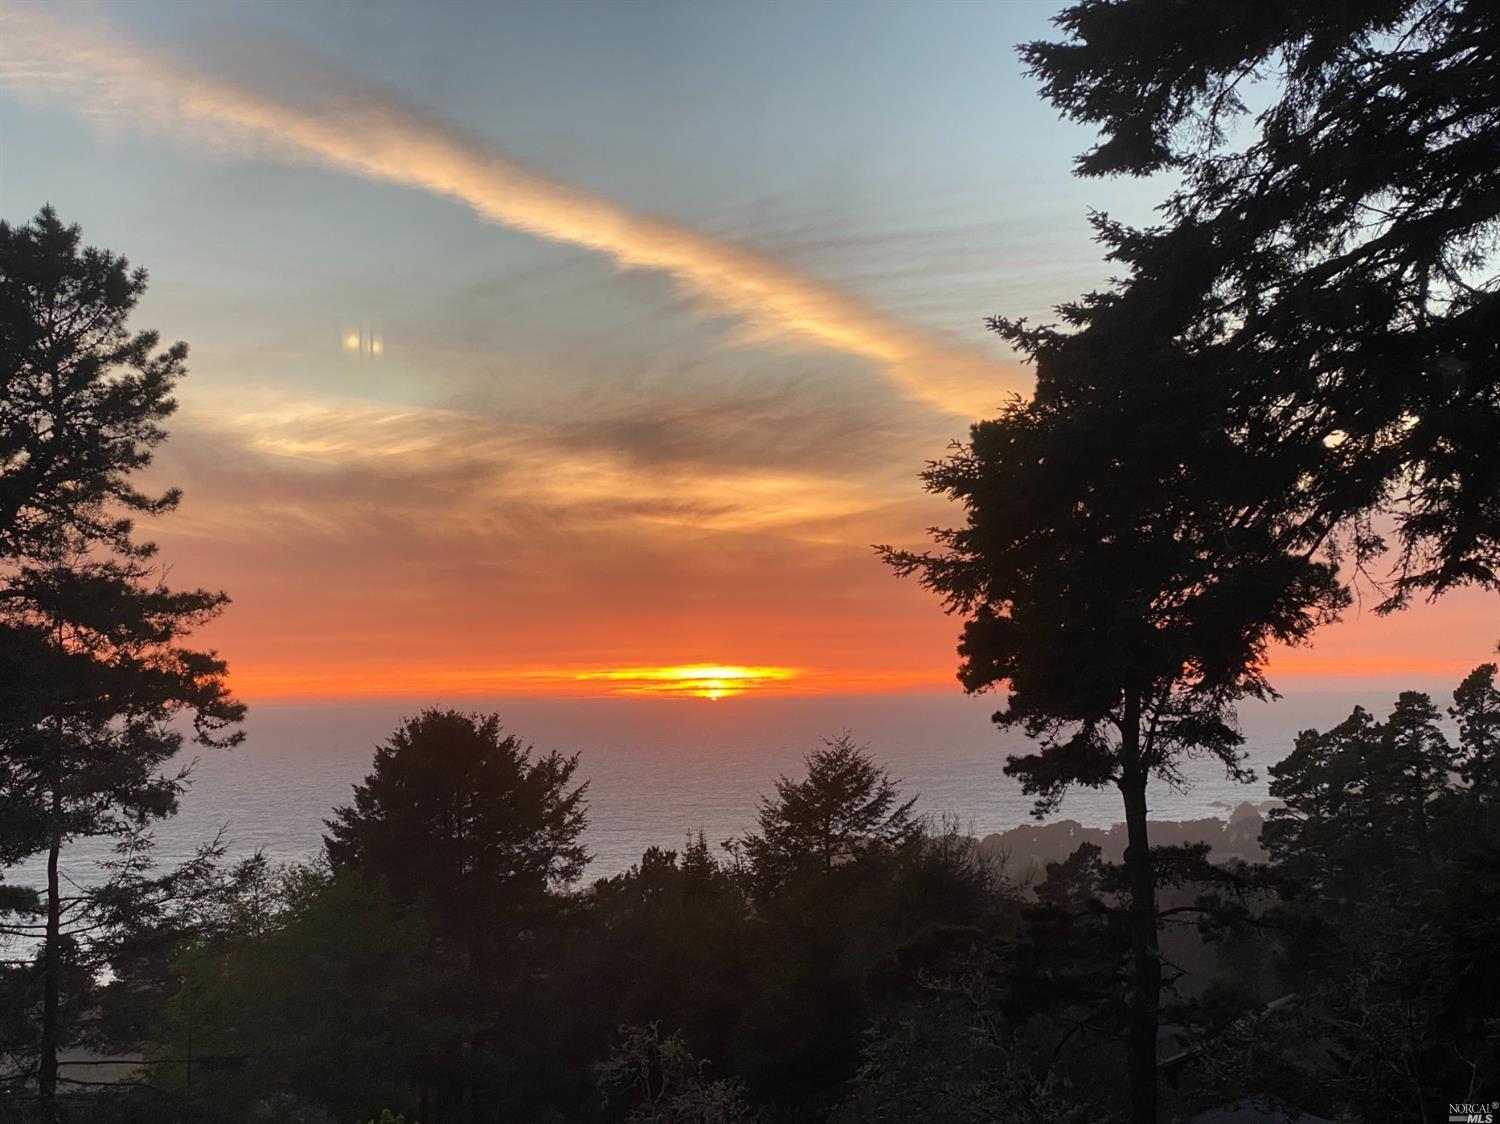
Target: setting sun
column 701, row 681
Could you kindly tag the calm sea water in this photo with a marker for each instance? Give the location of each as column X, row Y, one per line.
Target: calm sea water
column 660, row 768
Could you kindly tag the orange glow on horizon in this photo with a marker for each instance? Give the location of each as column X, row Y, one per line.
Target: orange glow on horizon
column 713, row 682
column 703, row 681
column 689, row 681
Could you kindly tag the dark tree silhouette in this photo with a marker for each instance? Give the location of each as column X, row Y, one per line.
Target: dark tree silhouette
column 1388, row 918
column 82, row 399
column 1307, row 341
column 341, row 999
column 845, row 808
column 1361, row 801
column 460, row 821
column 1476, row 709
column 1332, row 261
column 1125, row 601
column 91, row 638
column 461, row 816
column 665, row 1084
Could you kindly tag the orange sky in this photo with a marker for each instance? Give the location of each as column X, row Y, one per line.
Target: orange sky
column 648, row 386
column 310, row 624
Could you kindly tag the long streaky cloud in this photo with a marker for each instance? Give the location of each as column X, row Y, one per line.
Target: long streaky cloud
column 377, row 137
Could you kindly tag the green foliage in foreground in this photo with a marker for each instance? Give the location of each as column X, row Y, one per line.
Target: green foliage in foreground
column 909, row 982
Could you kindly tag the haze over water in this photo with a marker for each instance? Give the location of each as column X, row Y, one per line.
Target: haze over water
column 660, row 768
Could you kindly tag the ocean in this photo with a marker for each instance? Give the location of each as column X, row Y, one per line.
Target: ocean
column 658, row 769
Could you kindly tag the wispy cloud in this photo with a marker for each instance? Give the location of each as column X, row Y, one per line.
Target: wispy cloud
column 377, row 548
column 305, row 463
column 372, row 133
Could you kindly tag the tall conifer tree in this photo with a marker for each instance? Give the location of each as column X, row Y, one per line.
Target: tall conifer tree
column 91, row 638
column 1306, row 344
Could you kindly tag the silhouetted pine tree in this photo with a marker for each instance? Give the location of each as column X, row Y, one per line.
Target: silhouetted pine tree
column 1476, row 709
column 460, row 816
column 91, row 638
column 1330, row 262
column 847, row 807
column 1307, row 340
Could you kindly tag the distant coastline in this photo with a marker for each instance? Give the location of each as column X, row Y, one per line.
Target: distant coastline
column 1027, row 848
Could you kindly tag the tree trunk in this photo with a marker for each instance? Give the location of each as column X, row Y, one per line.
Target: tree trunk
column 1146, row 1000
column 51, row 971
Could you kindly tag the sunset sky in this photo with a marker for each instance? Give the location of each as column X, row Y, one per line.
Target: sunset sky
column 558, row 348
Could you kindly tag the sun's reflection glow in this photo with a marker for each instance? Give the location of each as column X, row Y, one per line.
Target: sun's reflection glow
column 702, row 681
